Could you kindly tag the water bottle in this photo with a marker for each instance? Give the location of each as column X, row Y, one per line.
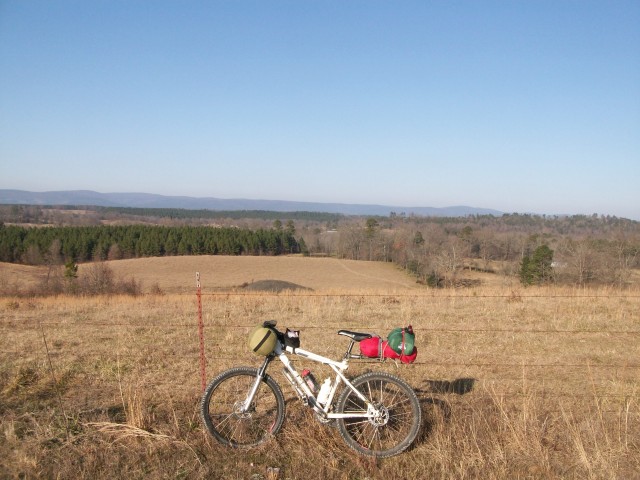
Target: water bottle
column 323, row 394
column 310, row 380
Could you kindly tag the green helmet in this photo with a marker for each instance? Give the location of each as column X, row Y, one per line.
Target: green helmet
column 402, row 340
column 262, row 340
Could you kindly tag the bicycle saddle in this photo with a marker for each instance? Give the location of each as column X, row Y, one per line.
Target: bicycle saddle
column 355, row 336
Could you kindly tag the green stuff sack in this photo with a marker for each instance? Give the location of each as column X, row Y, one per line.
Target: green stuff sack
column 402, row 340
column 262, row 340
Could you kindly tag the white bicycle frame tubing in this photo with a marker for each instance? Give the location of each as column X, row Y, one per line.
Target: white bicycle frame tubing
column 338, row 367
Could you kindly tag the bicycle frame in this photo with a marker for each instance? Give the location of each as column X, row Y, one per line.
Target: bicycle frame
column 339, row 367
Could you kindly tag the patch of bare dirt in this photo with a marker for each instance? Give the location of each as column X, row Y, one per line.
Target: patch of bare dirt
column 273, row 286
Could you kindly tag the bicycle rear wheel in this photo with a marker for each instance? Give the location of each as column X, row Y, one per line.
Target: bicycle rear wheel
column 221, row 408
column 393, row 429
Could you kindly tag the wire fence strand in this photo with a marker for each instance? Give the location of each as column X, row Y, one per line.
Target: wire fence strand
column 36, row 325
column 501, row 380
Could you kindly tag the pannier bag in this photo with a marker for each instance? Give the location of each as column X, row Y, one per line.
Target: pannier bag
column 262, row 340
column 375, row 347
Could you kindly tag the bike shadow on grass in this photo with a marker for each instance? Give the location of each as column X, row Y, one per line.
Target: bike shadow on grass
column 460, row 386
column 429, row 401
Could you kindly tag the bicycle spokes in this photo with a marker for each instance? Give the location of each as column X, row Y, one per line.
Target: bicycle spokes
column 228, row 417
column 392, row 415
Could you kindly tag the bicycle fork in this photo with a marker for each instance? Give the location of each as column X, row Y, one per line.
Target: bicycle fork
column 246, row 405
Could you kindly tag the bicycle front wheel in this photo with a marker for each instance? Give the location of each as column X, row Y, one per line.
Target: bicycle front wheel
column 393, row 428
column 228, row 422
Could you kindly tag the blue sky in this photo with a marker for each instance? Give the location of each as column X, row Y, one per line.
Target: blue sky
column 520, row 106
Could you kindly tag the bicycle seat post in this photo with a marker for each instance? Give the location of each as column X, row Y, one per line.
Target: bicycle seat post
column 351, row 344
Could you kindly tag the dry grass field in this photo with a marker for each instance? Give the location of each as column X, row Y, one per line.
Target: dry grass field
column 177, row 274
column 514, row 383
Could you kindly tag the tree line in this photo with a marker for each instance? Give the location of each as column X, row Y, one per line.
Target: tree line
column 54, row 214
column 80, row 244
column 578, row 249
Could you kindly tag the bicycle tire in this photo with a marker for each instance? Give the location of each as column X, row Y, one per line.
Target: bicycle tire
column 219, row 408
column 395, row 430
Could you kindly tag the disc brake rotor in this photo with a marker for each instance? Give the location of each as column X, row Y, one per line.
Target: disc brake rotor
column 378, row 415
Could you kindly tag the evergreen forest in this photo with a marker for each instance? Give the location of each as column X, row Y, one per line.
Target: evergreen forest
column 29, row 245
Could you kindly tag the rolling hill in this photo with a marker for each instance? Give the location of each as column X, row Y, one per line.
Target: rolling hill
column 147, row 200
column 177, row 274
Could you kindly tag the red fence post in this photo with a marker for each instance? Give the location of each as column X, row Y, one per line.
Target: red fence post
column 203, row 376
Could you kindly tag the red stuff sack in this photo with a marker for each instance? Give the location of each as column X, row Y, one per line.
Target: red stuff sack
column 410, row 358
column 388, row 352
column 370, row 347
column 374, row 347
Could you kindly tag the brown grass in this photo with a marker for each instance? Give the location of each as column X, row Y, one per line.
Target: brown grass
column 177, row 274
column 16, row 278
column 535, row 383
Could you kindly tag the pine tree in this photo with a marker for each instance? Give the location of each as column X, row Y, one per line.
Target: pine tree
column 536, row 269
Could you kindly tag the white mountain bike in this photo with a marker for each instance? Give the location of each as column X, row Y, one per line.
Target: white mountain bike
column 377, row 414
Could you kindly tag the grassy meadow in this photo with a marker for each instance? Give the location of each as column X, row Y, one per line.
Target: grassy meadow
column 514, row 383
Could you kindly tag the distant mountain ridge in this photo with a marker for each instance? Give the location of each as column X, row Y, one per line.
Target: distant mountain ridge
column 149, row 200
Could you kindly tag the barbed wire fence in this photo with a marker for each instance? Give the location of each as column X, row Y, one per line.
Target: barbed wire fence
column 197, row 351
